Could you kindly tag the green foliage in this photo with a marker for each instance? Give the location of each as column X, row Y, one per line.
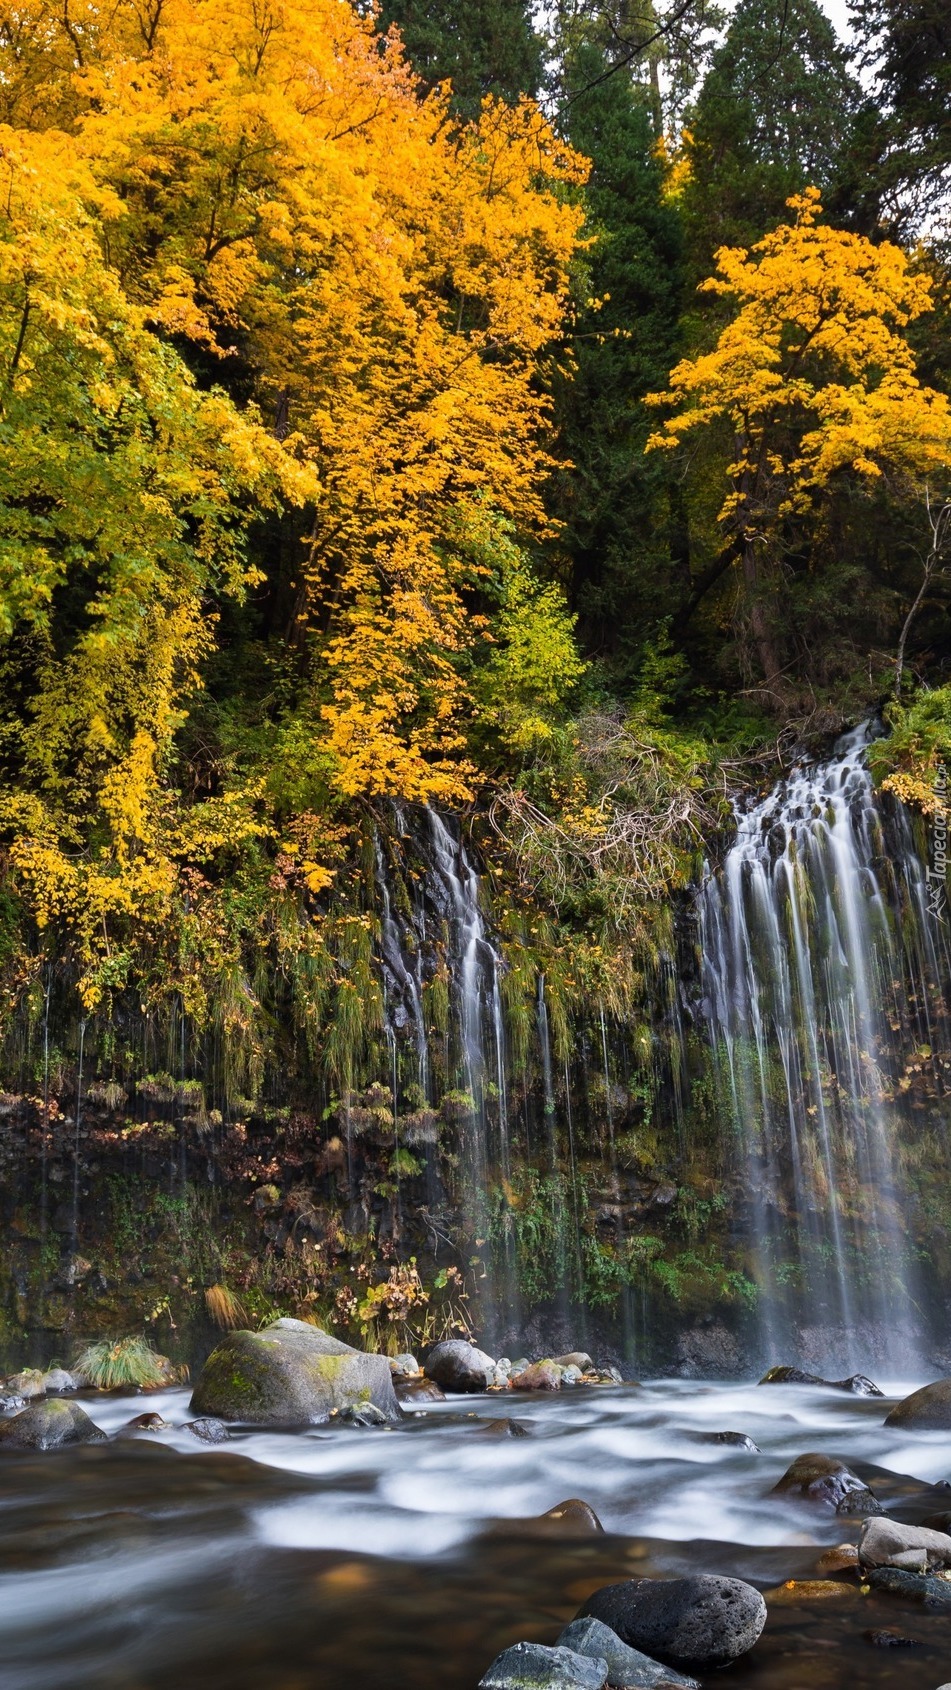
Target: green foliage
column 484, row 47
column 110, row 1364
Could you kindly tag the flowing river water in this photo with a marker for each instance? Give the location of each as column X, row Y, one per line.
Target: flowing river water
column 406, row 1559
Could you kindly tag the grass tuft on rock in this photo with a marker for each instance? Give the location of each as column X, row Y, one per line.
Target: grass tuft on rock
column 226, row 1310
column 121, row 1361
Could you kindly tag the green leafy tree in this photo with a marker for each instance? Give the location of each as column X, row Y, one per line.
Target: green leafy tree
column 615, row 504
column 775, row 115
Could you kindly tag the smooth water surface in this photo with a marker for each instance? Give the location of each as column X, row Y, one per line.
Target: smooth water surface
column 401, row 1560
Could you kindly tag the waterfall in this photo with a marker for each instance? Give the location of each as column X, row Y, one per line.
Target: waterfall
column 818, row 951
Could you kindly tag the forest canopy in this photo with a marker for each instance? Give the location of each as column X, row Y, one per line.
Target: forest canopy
column 402, row 407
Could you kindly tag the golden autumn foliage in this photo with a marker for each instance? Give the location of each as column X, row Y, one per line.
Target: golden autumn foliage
column 244, row 267
column 812, row 377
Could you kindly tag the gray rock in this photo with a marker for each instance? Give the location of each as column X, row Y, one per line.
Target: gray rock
column 887, row 1543
column 360, row 1414
column 576, row 1358
column 924, row 1590
column 29, row 1384
column 824, row 1480
column 927, row 1410
column 404, row 1367
column 702, row 1621
column 58, row 1383
column 208, row 1430
column 571, row 1375
column 49, row 1425
column 290, row 1374
column 458, row 1366
column 11, row 1404
column 627, row 1668
column 531, row 1666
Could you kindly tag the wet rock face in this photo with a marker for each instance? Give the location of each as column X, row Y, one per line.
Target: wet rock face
column 208, row 1430
column 709, row 1350
column 290, row 1374
column 49, row 1425
column 531, row 1666
column 925, row 1590
column 696, row 1622
column 459, row 1367
column 857, row 1384
column 626, row 1666
column 927, row 1410
column 824, row 1480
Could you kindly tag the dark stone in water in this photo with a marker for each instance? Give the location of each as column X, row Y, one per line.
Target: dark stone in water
column 208, row 1430
column 823, row 1479
column 574, row 1517
column 738, row 1440
column 531, row 1666
column 857, row 1384
column 927, row 1410
column 501, row 1428
column 49, row 1425
column 626, row 1666
column 703, row 1621
column 144, row 1423
column 458, row 1366
column 921, row 1588
column 891, row 1638
column 938, row 1522
column 417, row 1390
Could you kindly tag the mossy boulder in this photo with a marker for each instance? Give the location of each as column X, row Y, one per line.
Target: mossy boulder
column 49, row 1425
column 290, row 1374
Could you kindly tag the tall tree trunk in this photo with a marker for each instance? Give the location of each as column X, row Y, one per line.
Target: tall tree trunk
column 763, row 638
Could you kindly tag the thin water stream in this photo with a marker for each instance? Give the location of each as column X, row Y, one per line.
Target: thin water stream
column 406, row 1559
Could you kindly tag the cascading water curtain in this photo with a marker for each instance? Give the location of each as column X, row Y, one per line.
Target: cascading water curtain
column 817, row 949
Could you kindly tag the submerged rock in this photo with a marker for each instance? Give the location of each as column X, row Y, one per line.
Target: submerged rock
column 887, row 1543
column 927, row 1410
column 891, row 1638
column 824, row 1480
column 459, row 1367
column 501, row 1428
column 857, row 1384
column 208, row 1430
column 49, row 1425
column 574, row 1517
column 924, row 1589
column 628, row 1669
column 532, row 1666
column 290, row 1373
column 703, row 1621
column 417, row 1390
column 738, row 1440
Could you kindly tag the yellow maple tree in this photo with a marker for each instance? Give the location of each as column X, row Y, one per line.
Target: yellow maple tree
column 814, row 378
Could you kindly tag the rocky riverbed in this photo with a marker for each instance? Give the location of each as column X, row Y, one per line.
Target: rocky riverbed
column 412, row 1554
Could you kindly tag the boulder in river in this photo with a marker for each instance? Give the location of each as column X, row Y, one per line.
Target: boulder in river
column 458, row 1366
column 290, row 1374
column 58, row 1383
column 29, row 1384
column 574, row 1518
column 576, row 1358
column 701, row 1621
column 628, row 1668
column 927, row 1410
column 51, row 1424
column 823, row 1479
column 857, row 1384
column 887, row 1543
column 532, row 1666
column 404, row 1366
